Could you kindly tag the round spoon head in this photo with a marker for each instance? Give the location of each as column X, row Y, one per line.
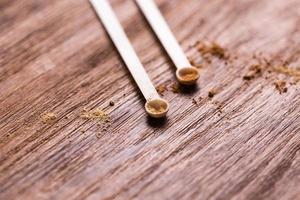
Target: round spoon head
column 187, row 75
column 157, row 108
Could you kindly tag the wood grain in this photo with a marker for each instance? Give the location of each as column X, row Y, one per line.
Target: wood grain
column 244, row 143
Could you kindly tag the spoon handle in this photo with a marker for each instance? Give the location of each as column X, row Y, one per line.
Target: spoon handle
column 119, row 38
column 163, row 32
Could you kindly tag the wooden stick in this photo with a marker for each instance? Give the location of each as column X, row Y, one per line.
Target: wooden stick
column 155, row 106
column 186, row 73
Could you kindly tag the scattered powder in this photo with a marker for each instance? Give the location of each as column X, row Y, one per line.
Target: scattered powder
column 197, row 101
column 212, row 93
column 194, row 101
column 254, row 70
column 48, row 117
column 195, row 64
column 217, row 50
column 281, row 86
column 105, row 127
column 288, row 71
column 212, row 48
column 248, row 77
column 96, row 114
column 176, row 88
column 219, row 107
column 161, row 89
column 103, row 119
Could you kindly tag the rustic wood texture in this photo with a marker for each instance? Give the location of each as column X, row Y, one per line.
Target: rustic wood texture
column 243, row 143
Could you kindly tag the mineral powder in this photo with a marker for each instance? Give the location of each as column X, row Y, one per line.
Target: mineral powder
column 155, row 108
column 189, row 76
column 48, row 117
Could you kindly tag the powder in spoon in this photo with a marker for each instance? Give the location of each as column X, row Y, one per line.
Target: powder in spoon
column 192, row 75
column 156, row 109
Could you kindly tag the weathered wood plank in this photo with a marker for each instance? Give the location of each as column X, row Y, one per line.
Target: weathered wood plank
column 243, row 143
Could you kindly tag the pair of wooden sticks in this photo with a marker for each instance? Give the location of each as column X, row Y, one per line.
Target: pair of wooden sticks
column 186, row 74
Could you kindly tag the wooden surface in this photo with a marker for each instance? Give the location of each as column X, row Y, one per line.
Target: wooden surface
column 244, row 143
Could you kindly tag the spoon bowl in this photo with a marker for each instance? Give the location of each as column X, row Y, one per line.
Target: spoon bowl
column 157, row 108
column 187, row 75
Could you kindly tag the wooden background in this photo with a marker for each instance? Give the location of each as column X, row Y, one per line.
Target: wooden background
column 244, row 143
